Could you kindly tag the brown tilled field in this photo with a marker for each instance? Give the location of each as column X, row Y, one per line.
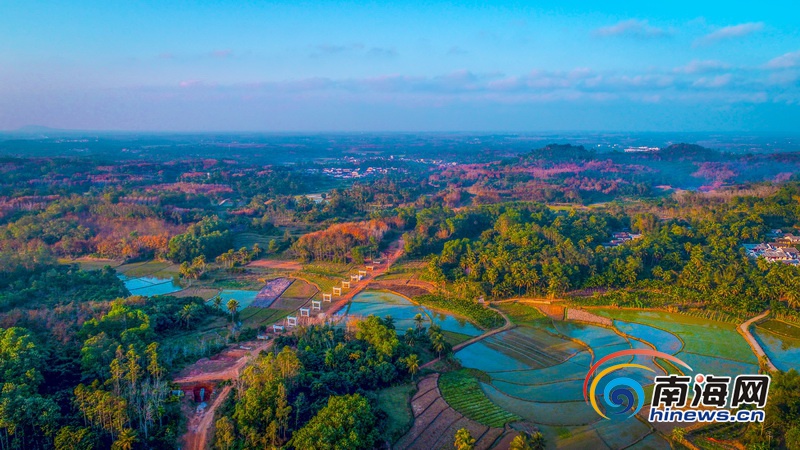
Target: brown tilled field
column 436, row 423
column 555, row 312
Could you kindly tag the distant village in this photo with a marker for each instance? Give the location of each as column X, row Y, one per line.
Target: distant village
column 351, row 173
column 782, row 249
column 621, row 237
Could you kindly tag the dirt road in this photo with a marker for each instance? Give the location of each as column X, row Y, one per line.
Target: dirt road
column 395, row 251
column 196, row 437
column 204, row 371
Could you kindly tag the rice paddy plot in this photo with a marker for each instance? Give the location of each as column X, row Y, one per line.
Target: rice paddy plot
column 150, row 286
column 555, row 345
column 602, row 352
column 516, row 346
column 560, row 391
column 644, row 360
column 452, row 323
column 573, row 438
column 700, row 335
column 716, row 366
column 783, row 351
column 245, row 298
column 480, row 356
column 780, row 327
column 653, row 441
column 569, row 413
column 382, row 297
column 398, row 312
column 622, row 433
column 663, row 341
column 462, row 392
column 575, row 368
column 591, row 335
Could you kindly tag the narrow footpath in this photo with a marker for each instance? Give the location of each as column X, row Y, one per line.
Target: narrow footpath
column 744, row 329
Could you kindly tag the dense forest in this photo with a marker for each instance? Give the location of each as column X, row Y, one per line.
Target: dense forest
column 693, row 256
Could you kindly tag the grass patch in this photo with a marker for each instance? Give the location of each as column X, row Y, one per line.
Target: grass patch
column 149, row 268
column 299, row 289
column 330, row 269
column 249, row 239
column 781, row 328
column 256, row 317
column 462, row 391
column 522, row 314
column 454, row 338
column 700, row 335
column 325, row 282
column 395, row 401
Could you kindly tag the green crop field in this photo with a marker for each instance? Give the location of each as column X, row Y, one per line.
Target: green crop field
column 148, row 269
column 522, row 314
column 461, row 390
column 324, row 281
column 454, row 338
column 781, row 327
column 299, row 289
column 700, row 335
column 248, row 239
column 255, row 317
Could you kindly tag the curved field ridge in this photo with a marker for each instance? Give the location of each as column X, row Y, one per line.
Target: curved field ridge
column 664, row 341
column 462, row 392
column 701, row 336
column 436, row 423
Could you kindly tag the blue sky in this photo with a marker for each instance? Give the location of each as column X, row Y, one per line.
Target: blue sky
column 404, row 66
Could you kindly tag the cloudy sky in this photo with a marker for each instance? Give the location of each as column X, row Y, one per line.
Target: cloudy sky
column 404, row 66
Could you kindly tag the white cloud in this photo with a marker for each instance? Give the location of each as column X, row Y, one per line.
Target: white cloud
column 785, row 61
column 632, row 28
column 730, row 32
column 706, row 66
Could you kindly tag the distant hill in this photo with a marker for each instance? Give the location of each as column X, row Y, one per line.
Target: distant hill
column 560, row 152
column 688, row 152
column 37, row 129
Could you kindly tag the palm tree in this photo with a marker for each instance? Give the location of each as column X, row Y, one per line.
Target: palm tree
column 232, row 305
column 189, row 313
column 418, row 320
column 125, row 440
column 437, row 341
column 464, row 440
column 410, row 338
column 525, row 441
column 217, row 302
column 412, row 362
column 678, row 434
